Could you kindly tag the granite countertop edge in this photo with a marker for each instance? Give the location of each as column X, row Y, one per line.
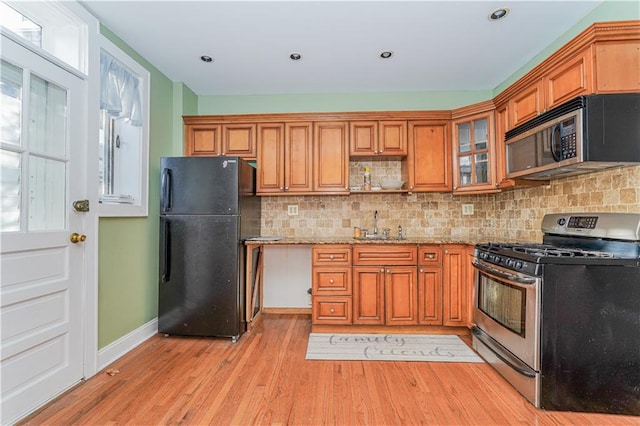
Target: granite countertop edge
column 351, row 240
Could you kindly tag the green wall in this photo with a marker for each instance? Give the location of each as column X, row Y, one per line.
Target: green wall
column 338, row 102
column 607, row 11
column 129, row 246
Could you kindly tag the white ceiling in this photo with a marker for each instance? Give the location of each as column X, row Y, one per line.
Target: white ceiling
column 437, row 45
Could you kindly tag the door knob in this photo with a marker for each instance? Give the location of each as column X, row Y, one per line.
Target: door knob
column 77, row 238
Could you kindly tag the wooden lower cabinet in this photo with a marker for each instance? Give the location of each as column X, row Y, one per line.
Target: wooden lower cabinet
column 331, row 284
column 385, row 285
column 385, row 295
column 391, row 285
column 368, row 295
column 430, row 295
column 332, row 310
column 400, row 295
column 456, row 287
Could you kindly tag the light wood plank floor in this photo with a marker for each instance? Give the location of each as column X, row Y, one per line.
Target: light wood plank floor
column 264, row 379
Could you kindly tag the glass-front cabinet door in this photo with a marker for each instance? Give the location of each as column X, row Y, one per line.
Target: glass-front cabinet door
column 474, row 170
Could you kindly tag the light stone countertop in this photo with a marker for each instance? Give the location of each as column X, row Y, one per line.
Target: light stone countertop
column 351, row 240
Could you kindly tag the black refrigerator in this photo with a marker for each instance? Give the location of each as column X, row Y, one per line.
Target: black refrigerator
column 208, row 207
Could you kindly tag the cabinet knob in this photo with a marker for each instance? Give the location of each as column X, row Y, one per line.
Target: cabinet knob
column 282, row 188
column 331, row 281
column 421, row 270
column 388, row 271
column 286, row 188
column 382, row 270
column 381, row 151
column 430, row 256
column 331, row 256
column 332, row 310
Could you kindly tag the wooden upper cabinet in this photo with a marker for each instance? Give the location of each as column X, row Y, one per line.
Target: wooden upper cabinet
column 331, row 155
column 285, row 158
column 202, row 140
column 363, row 138
column 233, row 140
column 428, row 165
column 378, row 138
column 526, row 104
column 570, row 79
column 239, row 140
column 270, row 158
column 473, row 153
column 501, row 125
column 617, row 67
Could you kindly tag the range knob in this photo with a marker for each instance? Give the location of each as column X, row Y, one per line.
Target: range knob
column 518, row 265
column 562, row 221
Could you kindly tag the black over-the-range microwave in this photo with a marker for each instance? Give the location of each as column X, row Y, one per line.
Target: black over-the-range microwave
column 585, row 134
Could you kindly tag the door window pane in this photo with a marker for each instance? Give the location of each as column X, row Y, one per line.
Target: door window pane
column 47, row 117
column 47, row 187
column 11, row 101
column 10, row 195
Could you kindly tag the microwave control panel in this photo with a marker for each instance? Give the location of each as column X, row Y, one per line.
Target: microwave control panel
column 568, row 148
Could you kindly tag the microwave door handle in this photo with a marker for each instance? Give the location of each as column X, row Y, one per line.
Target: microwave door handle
column 556, row 153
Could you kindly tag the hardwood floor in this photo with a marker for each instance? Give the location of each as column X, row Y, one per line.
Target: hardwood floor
column 264, row 379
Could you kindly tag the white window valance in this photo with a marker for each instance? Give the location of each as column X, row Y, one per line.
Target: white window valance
column 119, row 90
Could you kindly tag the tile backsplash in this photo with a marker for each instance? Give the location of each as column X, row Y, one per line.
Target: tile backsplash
column 512, row 215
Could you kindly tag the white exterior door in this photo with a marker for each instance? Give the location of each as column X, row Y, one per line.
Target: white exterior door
column 42, row 272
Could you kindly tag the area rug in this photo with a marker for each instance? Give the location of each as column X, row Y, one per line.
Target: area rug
column 389, row 347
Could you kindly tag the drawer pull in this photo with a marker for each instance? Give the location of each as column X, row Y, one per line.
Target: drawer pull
column 331, row 281
column 332, row 310
column 331, row 256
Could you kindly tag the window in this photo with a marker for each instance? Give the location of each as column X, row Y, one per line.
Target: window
column 48, row 26
column 123, row 137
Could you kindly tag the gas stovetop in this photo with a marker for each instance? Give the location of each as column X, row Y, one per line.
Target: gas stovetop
column 572, row 238
column 536, row 251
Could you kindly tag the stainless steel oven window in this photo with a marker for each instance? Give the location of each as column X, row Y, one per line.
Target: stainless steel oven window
column 504, row 303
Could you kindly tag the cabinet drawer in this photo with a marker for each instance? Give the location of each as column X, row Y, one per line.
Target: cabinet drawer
column 331, row 281
column 429, row 255
column 332, row 255
column 332, row 310
column 385, row 255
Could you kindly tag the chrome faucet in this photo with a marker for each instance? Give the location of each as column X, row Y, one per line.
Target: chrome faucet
column 375, row 223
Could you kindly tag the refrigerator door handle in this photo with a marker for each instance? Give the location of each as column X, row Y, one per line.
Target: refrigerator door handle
column 166, row 252
column 166, row 190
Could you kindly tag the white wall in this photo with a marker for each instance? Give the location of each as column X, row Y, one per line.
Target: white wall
column 287, row 276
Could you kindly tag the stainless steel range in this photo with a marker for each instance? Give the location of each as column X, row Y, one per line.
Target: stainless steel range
column 561, row 320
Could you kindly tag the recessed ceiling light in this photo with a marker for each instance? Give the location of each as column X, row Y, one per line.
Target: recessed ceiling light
column 295, row 56
column 205, row 58
column 386, row 54
column 499, row 13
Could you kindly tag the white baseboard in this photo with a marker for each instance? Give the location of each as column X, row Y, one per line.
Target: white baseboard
column 115, row 350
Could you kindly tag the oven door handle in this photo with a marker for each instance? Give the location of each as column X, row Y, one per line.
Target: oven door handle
column 504, row 275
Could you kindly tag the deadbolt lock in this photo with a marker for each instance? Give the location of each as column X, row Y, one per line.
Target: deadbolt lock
column 81, row 206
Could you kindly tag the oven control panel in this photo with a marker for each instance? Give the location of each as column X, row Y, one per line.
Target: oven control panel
column 618, row 226
column 583, row 222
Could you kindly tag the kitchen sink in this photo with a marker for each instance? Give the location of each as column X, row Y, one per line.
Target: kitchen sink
column 378, row 237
